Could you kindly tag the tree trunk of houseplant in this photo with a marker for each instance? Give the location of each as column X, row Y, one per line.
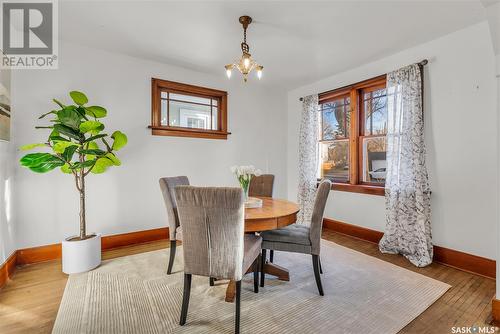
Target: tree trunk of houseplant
column 82, row 206
column 81, row 253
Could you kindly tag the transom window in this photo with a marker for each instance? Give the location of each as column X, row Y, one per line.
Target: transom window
column 188, row 111
column 352, row 143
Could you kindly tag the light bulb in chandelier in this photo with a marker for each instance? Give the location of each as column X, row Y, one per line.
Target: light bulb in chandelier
column 246, row 62
column 259, row 71
column 229, row 70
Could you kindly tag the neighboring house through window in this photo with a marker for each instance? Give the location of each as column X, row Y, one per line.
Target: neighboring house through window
column 352, row 140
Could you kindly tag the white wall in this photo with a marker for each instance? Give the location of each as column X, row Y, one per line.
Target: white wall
column 498, row 170
column 128, row 198
column 461, row 132
column 7, row 228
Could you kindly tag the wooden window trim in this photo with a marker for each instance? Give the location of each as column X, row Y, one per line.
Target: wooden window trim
column 157, row 129
column 356, row 133
column 359, row 188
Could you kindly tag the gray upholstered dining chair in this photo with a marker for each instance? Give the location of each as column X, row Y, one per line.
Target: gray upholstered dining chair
column 300, row 238
column 214, row 243
column 167, row 185
column 261, row 185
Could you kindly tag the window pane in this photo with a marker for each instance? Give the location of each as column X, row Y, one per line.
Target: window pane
column 164, row 120
column 189, row 98
column 187, row 115
column 375, row 107
column 374, row 159
column 335, row 119
column 335, row 160
column 215, row 115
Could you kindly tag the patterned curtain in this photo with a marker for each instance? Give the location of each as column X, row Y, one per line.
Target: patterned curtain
column 308, row 158
column 407, row 193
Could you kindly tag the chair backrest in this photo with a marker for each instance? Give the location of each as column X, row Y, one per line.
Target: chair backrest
column 212, row 221
column 167, row 186
column 322, row 193
column 261, row 185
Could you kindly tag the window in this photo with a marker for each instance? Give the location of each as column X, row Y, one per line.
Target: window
column 334, row 141
column 188, row 111
column 352, row 141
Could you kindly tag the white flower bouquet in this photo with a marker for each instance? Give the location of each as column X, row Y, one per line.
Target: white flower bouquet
column 244, row 174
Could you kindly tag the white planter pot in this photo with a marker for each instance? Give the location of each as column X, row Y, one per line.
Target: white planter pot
column 81, row 255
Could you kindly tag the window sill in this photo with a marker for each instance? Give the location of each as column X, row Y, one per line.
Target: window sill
column 185, row 132
column 359, row 188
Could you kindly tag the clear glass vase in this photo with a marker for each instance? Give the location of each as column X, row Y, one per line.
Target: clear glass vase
column 245, row 190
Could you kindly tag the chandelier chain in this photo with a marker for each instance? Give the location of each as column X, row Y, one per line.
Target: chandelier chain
column 244, row 46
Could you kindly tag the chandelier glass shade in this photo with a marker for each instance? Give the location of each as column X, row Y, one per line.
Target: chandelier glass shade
column 245, row 64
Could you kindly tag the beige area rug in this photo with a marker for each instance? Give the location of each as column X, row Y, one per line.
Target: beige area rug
column 133, row 294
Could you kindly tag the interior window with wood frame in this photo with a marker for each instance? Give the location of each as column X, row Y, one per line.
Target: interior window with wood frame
column 185, row 110
column 352, row 141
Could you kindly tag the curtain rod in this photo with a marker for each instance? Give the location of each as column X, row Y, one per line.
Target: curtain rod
column 421, row 63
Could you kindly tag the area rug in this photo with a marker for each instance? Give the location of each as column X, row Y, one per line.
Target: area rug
column 134, row 294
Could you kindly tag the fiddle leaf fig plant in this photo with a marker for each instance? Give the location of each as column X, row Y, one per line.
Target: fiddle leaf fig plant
column 78, row 145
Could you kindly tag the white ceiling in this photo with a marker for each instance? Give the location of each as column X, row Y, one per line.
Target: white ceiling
column 296, row 42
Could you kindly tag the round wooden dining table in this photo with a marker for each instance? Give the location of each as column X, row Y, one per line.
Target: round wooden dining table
column 274, row 213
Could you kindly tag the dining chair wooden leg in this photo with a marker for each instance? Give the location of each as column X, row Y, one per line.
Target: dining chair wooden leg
column 256, row 269
column 185, row 298
column 173, row 244
column 238, row 304
column 271, row 255
column 315, row 259
column 320, row 267
column 211, row 281
column 262, row 264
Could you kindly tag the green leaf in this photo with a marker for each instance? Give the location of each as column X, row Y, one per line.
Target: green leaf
column 45, row 167
column 96, row 111
column 31, row 146
column 50, row 112
column 66, row 169
column 68, row 152
column 34, row 159
column 61, row 146
column 69, row 117
column 81, row 111
column 57, row 138
column 59, row 103
column 85, row 164
column 41, row 162
column 120, row 140
column 113, row 159
column 67, row 131
column 102, row 135
column 93, row 152
column 91, row 146
column 53, row 133
column 78, row 97
column 101, row 165
column 93, row 126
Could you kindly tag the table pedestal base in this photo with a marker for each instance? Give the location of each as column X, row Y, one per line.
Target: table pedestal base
column 270, row 269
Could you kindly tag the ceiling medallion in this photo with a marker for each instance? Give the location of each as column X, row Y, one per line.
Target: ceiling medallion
column 245, row 64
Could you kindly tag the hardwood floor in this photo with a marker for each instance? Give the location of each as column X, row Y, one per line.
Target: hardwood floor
column 29, row 302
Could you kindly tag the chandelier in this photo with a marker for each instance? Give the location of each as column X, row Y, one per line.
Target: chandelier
column 245, row 64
